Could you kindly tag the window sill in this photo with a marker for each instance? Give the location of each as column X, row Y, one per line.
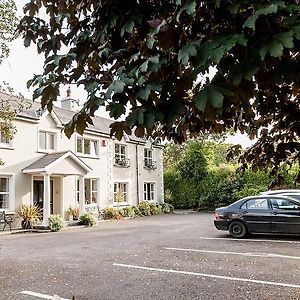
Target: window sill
column 87, row 156
column 46, row 151
column 119, row 204
column 3, row 146
column 7, row 211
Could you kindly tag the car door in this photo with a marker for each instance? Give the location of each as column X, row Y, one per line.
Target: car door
column 285, row 215
column 257, row 215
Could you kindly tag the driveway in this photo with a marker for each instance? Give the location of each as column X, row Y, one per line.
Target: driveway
column 176, row 256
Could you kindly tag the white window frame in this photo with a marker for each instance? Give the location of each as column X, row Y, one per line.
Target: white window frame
column 11, row 191
column 93, row 146
column 148, row 159
column 146, row 185
column 89, row 202
column 6, row 145
column 121, row 155
column 48, row 134
column 115, row 190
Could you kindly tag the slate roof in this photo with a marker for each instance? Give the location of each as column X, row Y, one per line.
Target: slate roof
column 101, row 125
column 45, row 160
column 50, row 158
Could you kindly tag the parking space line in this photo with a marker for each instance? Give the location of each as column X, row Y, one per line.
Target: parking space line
column 209, row 275
column 42, row 296
column 268, row 255
column 249, row 240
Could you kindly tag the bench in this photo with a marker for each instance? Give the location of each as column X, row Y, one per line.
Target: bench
column 5, row 219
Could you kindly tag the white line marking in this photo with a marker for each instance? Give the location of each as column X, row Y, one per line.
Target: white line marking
column 43, row 296
column 209, row 275
column 249, row 240
column 272, row 255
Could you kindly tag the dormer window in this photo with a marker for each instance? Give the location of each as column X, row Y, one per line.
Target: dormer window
column 121, row 159
column 46, row 140
column 87, row 147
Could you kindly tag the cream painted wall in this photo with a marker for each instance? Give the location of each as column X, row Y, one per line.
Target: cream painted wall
column 26, row 151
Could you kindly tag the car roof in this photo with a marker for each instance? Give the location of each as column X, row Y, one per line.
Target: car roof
column 274, row 192
column 264, row 197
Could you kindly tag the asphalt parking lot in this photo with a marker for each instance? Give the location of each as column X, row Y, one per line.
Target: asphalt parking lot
column 180, row 256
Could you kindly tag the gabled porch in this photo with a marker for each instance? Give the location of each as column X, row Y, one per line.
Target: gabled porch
column 49, row 175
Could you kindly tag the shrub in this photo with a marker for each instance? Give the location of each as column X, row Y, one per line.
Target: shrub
column 159, row 208
column 56, row 222
column 167, row 208
column 168, row 196
column 74, row 212
column 112, row 213
column 87, row 219
column 219, row 188
column 137, row 212
column 128, row 212
column 30, row 215
column 155, row 208
column 144, row 208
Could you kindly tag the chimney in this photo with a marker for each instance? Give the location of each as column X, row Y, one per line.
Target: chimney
column 69, row 103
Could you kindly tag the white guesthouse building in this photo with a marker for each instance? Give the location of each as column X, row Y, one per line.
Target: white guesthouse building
column 42, row 166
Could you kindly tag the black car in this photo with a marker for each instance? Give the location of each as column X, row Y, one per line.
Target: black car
column 260, row 214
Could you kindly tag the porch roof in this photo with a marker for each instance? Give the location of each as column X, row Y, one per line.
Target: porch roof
column 49, row 164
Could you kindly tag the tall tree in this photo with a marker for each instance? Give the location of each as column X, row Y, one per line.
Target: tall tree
column 10, row 105
column 8, row 24
column 157, row 59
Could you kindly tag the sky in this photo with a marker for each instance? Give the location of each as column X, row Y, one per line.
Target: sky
column 23, row 63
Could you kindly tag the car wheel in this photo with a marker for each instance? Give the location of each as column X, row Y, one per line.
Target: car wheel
column 237, row 229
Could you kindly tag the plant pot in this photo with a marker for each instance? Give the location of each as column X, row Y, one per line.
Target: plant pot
column 26, row 224
column 75, row 218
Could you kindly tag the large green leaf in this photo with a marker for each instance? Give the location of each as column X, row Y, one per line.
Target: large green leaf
column 202, row 99
column 186, row 52
column 215, row 97
column 128, row 27
column 116, row 87
column 269, row 9
column 286, row 39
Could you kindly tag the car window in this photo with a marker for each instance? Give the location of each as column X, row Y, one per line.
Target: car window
column 284, row 204
column 257, row 204
column 295, row 196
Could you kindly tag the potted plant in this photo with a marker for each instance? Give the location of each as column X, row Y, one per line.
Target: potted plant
column 30, row 215
column 74, row 212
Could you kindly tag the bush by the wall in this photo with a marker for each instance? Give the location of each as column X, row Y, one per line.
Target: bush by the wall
column 155, row 208
column 137, row 212
column 88, row 219
column 56, row 222
column 128, row 212
column 144, row 208
column 112, row 213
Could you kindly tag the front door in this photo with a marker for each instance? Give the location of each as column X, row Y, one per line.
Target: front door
column 38, row 194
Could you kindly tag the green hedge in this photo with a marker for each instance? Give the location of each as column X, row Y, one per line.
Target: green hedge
column 220, row 187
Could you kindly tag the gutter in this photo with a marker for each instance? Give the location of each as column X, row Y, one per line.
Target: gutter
column 137, row 173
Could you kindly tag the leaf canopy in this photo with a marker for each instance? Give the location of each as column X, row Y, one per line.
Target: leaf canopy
column 218, row 65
